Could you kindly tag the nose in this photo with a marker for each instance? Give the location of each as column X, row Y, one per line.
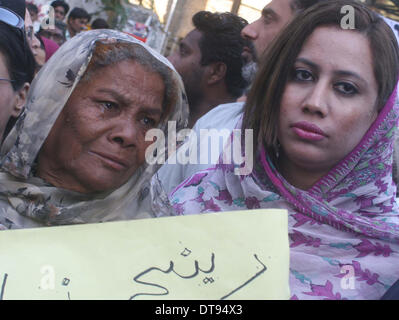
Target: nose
column 125, row 133
column 249, row 31
column 316, row 101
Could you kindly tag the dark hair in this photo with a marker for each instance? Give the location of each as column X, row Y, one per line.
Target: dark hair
column 79, row 13
column 60, row 3
column 221, row 41
column 300, row 5
column 262, row 108
column 32, row 8
column 19, row 58
column 99, row 24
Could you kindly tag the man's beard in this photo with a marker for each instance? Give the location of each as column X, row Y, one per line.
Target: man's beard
column 249, row 71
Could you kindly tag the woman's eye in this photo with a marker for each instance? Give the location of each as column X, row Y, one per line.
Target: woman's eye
column 303, row 75
column 346, row 88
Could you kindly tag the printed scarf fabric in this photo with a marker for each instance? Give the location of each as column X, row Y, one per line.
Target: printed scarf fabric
column 27, row 201
column 344, row 231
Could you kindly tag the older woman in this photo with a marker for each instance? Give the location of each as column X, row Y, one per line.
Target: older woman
column 77, row 153
column 323, row 113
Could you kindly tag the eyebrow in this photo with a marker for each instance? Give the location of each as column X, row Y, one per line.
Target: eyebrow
column 120, row 98
column 336, row 72
column 269, row 12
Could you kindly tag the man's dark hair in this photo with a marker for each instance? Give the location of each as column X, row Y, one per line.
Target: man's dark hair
column 221, row 41
column 60, row 3
column 99, row 24
column 79, row 13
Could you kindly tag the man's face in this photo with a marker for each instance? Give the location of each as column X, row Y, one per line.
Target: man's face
column 53, row 34
column 187, row 62
column 262, row 31
column 59, row 13
column 77, row 25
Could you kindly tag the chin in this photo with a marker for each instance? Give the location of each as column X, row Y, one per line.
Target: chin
column 99, row 184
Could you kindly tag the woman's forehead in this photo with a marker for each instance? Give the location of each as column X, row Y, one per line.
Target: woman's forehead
column 339, row 49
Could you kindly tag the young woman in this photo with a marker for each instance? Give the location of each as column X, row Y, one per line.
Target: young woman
column 323, row 113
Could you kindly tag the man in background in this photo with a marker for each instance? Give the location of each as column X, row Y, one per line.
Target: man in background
column 210, row 63
column 77, row 21
column 275, row 16
column 61, row 9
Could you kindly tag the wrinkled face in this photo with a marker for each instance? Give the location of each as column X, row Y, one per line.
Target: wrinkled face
column 53, row 34
column 97, row 142
column 262, row 31
column 329, row 101
column 7, row 96
column 187, row 62
column 59, row 13
column 77, row 25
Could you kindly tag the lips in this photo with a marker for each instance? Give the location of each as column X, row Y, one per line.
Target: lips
column 111, row 160
column 308, row 131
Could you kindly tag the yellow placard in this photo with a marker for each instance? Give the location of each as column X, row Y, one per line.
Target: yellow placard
column 229, row 255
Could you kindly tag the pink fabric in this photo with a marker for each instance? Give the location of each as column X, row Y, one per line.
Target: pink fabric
column 344, row 231
column 50, row 47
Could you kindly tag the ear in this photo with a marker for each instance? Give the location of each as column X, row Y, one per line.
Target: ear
column 217, row 72
column 20, row 100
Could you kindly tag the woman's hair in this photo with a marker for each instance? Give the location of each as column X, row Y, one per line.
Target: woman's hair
column 20, row 62
column 107, row 54
column 262, row 108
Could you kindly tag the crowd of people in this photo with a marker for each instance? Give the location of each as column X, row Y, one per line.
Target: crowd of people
column 320, row 102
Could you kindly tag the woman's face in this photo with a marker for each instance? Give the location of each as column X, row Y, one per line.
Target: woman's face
column 9, row 101
column 329, row 101
column 97, row 142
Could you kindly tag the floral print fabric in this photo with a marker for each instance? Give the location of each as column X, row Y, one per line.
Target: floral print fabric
column 343, row 232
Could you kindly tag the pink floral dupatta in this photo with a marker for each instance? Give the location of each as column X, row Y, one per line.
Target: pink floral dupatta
column 344, row 231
